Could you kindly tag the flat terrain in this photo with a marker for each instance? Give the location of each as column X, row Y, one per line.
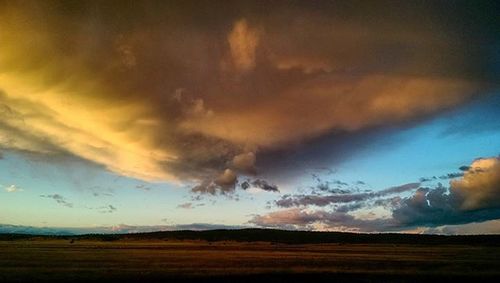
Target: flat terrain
column 65, row 260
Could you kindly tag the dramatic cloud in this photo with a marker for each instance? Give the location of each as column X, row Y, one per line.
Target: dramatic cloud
column 472, row 198
column 188, row 92
column 59, row 199
column 480, row 185
column 469, row 199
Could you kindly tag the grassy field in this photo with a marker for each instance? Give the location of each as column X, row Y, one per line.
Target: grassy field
column 63, row 260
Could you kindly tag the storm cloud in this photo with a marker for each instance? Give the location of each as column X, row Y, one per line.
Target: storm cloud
column 199, row 92
column 472, row 198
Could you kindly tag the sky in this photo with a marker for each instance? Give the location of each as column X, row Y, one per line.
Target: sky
column 361, row 116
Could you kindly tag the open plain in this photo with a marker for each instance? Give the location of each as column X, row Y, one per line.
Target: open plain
column 172, row 260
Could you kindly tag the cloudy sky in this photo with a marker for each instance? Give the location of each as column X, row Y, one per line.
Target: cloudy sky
column 324, row 115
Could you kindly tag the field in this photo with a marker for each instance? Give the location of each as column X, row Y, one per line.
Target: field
column 60, row 259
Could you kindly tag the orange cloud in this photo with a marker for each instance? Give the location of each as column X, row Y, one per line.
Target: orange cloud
column 243, row 41
column 167, row 96
column 480, row 186
column 335, row 102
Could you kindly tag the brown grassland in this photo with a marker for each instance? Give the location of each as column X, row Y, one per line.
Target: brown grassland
column 62, row 260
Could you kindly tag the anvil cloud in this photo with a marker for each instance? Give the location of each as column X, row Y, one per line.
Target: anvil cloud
column 199, row 93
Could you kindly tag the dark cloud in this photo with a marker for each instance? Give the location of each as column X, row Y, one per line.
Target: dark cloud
column 206, row 187
column 451, row 176
column 439, row 206
column 227, row 182
column 324, row 200
column 59, row 199
column 189, row 90
column 388, row 203
column 464, row 168
column 306, row 200
column 245, row 185
column 332, row 186
column 333, row 148
column 224, row 183
column 326, row 187
column 473, row 197
column 350, row 207
column 446, row 176
column 264, row 185
column 427, row 179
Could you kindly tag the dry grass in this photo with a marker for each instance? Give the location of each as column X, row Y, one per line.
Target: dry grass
column 60, row 260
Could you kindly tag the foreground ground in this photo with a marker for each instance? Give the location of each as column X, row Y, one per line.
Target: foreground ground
column 62, row 260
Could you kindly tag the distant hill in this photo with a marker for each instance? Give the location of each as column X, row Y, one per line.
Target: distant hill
column 277, row 236
column 118, row 229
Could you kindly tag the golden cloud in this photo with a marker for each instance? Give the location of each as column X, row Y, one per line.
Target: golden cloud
column 243, row 42
column 152, row 96
column 480, row 186
column 335, row 103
